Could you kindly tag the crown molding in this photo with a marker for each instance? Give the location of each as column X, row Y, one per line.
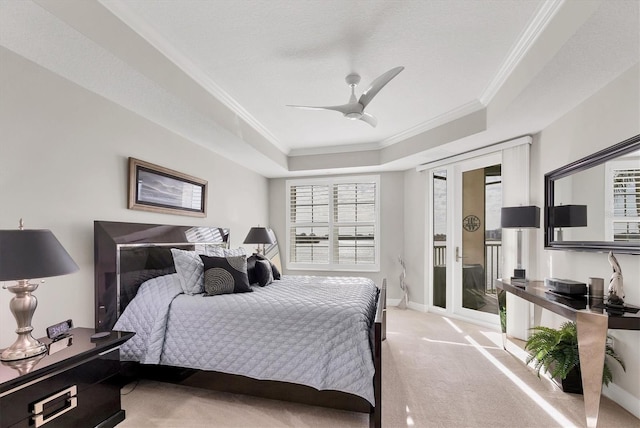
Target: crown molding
column 345, row 148
column 137, row 24
column 537, row 25
column 446, row 117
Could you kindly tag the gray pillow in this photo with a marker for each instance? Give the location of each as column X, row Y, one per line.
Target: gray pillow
column 190, row 270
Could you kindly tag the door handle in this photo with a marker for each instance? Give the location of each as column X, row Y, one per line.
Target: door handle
column 458, row 256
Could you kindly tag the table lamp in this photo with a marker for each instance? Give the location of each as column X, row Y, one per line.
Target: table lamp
column 29, row 254
column 259, row 235
column 567, row 216
column 524, row 217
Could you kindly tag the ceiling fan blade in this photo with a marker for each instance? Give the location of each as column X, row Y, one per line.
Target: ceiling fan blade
column 344, row 109
column 370, row 119
column 378, row 84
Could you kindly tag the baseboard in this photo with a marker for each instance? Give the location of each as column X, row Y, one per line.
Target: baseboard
column 417, row 306
column 411, row 305
column 623, row 398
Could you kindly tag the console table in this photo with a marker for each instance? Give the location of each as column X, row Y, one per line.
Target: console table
column 592, row 324
column 73, row 385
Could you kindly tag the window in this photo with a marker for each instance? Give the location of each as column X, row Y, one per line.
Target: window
column 623, row 188
column 333, row 224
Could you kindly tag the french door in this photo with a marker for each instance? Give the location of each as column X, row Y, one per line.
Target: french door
column 465, row 239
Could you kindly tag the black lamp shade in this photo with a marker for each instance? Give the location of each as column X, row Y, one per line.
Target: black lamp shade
column 28, row 254
column 259, row 235
column 568, row 216
column 520, row 217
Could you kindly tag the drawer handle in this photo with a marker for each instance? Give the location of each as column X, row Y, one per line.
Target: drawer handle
column 38, row 408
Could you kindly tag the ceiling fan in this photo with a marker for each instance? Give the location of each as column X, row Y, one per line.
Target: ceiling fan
column 354, row 109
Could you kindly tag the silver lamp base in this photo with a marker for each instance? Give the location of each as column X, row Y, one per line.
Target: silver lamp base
column 23, row 306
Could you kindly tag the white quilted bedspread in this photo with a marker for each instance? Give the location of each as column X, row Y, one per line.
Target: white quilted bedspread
column 308, row 330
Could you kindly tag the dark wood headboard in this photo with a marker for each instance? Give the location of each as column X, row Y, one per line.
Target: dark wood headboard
column 127, row 254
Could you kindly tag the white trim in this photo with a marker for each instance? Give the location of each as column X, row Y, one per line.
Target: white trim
column 476, row 152
column 417, row 306
column 330, row 182
column 153, row 37
column 540, row 21
column 609, row 219
column 449, row 116
column 623, row 398
column 393, row 302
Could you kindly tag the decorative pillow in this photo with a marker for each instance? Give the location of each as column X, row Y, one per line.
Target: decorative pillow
column 263, row 272
column 190, row 270
column 275, row 271
column 251, row 263
column 226, row 252
column 225, row 275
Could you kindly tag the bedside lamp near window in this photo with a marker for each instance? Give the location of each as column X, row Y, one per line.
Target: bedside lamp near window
column 259, row 235
column 27, row 254
column 527, row 217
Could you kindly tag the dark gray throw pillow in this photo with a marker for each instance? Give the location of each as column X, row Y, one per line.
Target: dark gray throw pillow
column 251, row 270
column 263, row 272
column 225, row 275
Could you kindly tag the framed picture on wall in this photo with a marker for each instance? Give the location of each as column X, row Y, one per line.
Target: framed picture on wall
column 159, row 189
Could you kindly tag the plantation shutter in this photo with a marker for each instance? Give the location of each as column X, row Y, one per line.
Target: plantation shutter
column 309, row 220
column 626, row 205
column 354, row 223
column 333, row 223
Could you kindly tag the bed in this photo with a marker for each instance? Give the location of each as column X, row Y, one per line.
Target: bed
column 315, row 340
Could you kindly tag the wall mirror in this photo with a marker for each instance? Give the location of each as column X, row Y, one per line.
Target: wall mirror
column 593, row 204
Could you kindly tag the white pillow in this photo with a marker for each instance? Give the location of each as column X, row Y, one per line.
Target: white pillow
column 226, row 252
column 190, row 270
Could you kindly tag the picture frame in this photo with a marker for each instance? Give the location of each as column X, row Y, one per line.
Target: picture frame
column 158, row 189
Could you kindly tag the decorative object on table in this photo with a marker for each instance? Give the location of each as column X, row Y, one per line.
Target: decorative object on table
column 159, row 189
column 567, row 216
column 596, row 291
column 29, row 253
column 616, row 289
column 556, row 351
column 259, row 235
column 403, row 285
column 566, row 286
column 523, row 217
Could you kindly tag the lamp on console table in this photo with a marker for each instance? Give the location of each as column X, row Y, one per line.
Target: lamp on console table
column 567, row 216
column 29, row 254
column 259, row 235
column 526, row 217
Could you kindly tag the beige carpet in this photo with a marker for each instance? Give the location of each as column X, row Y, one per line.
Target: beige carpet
column 436, row 373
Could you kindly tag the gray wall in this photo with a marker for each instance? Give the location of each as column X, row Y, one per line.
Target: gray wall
column 606, row 118
column 391, row 230
column 63, row 164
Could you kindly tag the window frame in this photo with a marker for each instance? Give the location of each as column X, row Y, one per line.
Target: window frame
column 610, row 219
column 330, row 182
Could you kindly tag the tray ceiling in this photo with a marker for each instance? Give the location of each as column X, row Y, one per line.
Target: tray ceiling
column 221, row 73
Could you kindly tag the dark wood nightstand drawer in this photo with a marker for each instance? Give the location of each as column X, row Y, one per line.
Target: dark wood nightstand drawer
column 74, row 386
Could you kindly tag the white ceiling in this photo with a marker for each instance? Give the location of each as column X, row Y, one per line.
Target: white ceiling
column 221, row 73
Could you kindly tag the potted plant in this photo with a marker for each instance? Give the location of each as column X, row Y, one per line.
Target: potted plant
column 556, row 351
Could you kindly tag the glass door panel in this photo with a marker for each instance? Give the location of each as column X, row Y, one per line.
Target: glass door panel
column 440, row 224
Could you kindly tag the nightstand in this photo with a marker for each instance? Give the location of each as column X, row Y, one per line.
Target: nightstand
column 75, row 385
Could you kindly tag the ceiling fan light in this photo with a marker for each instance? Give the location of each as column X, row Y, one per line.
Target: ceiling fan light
column 353, row 115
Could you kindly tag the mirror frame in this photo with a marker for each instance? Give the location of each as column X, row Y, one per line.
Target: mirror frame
column 598, row 158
